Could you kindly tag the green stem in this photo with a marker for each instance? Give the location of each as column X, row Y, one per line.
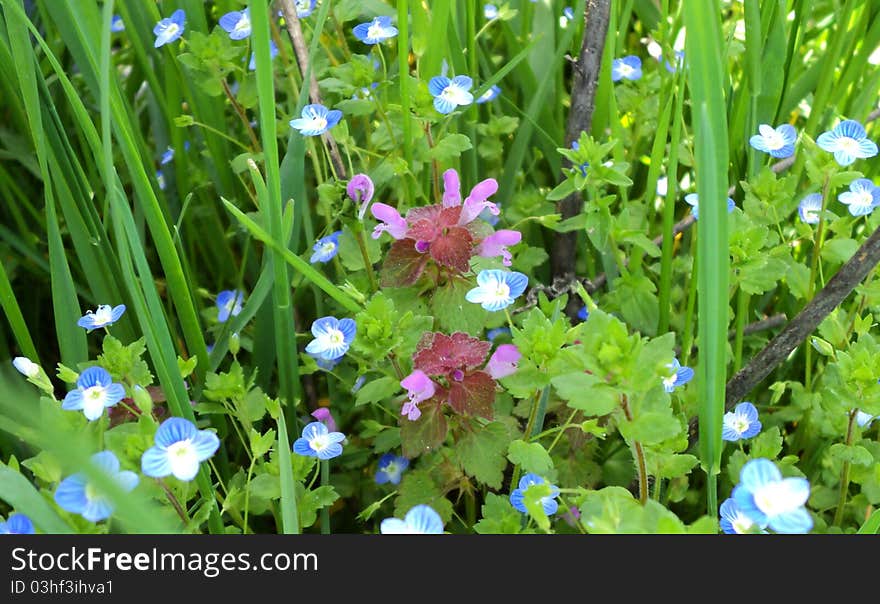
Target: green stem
column 325, row 511
column 175, row 503
column 639, row 455
column 811, row 288
column 247, row 496
column 687, row 339
column 742, row 311
column 362, row 245
column 844, row 472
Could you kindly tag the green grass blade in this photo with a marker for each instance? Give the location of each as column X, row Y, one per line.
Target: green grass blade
column 872, row 525
column 706, row 81
column 16, row 320
column 289, row 511
column 16, row 491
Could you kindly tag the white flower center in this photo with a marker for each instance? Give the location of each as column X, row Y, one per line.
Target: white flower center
column 865, row 198
column 320, row 442
column 374, row 31
column 95, row 394
column 741, row 424
column 180, row 449
column 103, row 315
column 742, row 524
column 244, row 23
column 669, row 382
column 502, row 291
column 774, row 140
column 171, row 30
column 328, row 247
column 334, row 336
column 848, row 144
column 318, row 122
column 391, row 469
column 625, row 69
column 773, row 499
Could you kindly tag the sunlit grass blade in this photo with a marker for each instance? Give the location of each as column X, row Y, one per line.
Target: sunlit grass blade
column 706, row 80
column 289, row 511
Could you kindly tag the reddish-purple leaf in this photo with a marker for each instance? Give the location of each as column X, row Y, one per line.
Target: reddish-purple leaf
column 439, row 354
column 429, row 213
column 473, row 395
column 453, row 248
column 403, row 265
column 423, row 230
column 426, row 433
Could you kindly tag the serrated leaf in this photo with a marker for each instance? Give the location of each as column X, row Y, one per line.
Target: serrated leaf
column 650, row 428
column 403, row 264
column 418, row 487
column 767, row 444
column 449, row 147
column 531, row 457
column 453, row 312
column 473, row 395
column 586, row 392
column 312, row 501
column 854, row 454
column 377, row 390
column 481, row 453
column 424, row 434
column 499, row 517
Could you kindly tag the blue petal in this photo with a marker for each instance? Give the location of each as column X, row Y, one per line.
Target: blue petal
column 106, row 461
column 302, row 447
column 114, row 394
column 727, row 527
column 116, row 313
column 206, row 444
column 746, row 504
column 127, row 480
column 683, row 376
column 550, row 505
column 97, row 510
column 748, row 410
column 423, row 519
column 360, row 31
column 850, row 128
column 71, row 494
column 348, row 327
column 19, row 524
column 867, row 148
column 154, row 463
column 753, row 429
column 229, row 20
column 173, row 430
column 797, row 521
column 323, row 325
column 73, row 401
column 437, row 85
column 759, row 472
column 843, row 157
column 728, row 509
column 463, row 82
column 827, row 141
column 443, row 106
column 517, row 500
column 729, row 434
column 330, row 451
column 314, row 430
column 94, row 376
column 517, row 282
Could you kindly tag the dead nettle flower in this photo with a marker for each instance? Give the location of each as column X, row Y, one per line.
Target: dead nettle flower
column 360, row 189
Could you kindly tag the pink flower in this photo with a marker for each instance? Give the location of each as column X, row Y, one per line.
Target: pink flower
column 496, row 245
column 419, row 388
column 451, row 189
column 391, row 219
column 322, row 414
column 360, row 189
column 503, row 361
column 477, row 201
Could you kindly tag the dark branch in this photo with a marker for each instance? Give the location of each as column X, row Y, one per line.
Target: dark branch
column 777, row 350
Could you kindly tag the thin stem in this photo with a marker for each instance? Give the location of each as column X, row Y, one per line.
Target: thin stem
column 811, row 288
column 362, row 244
column 325, row 511
column 239, row 110
column 639, row 454
column 742, row 311
column 844, row 472
column 247, row 495
column 174, row 502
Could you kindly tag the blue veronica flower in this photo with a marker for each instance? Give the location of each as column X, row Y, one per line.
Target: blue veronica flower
column 864, row 420
column 237, row 24
column 365, row 93
column 568, row 13
column 304, row 8
column 809, row 208
column 117, row 24
column 358, row 384
column 489, row 95
column 498, row 331
column 95, row 390
column 549, row 503
column 103, row 316
column 449, row 94
column 575, row 145
column 629, row 68
column 325, row 364
column 17, row 524
column 318, row 441
column 332, row 337
column 160, row 179
column 273, row 52
column 778, row 142
column 490, row 11
column 390, row 468
column 861, row 198
column 735, row 522
column 420, row 520
column 375, row 31
column 692, row 200
column 167, row 156
column 583, row 313
column 77, row 495
column 679, row 376
column 497, row 289
column 741, row 423
column 768, row 499
column 229, row 304
column 316, row 119
column 848, row 141
column 26, row 367
column 180, row 448
column 679, row 61
column 326, row 248
column 169, row 29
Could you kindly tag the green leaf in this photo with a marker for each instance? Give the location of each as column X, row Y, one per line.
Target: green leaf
column 314, row 500
column 672, row 465
column 481, row 453
column 499, row 517
column 377, row 390
column 651, row 428
column 450, row 147
column 418, row 487
column 20, row 494
column 454, row 313
column 586, row 392
column 854, row 454
column 532, row 497
column 767, row 444
column 839, row 250
column 424, row 434
column 261, row 443
column 531, row 457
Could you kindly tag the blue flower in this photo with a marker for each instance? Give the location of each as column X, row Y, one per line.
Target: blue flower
column 679, row 376
column 116, row 24
column 778, row 143
column 77, row 495
column 575, row 145
column 735, row 522
column 169, row 29
column 497, row 289
column 318, row 441
column 861, row 198
column 304, row 8
column 316, row 119
column 517, row 497
column 229, row 304
column 332, row 337
column 741, row 423
column 237, row 24
column 498, row 331
column 809, row 208
column 629, row 68
column 490, row 11
column 448, row 94
column 568, row 13
column 17, row 524
column 489, row 95
column 375, row 31
column 324, row 363
column 848, row 141
column 864, row 420
column 420, row 520
column 583, row 313
column 103, row 316
column 693, row 200
column 390, row 468
column 167, row 156
column 26, row 367
column 679, row 61
column 95, row 390
column 768, row 499
column 273, row 52
column 160, row 179
column 326, row 248
column 180, row 448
